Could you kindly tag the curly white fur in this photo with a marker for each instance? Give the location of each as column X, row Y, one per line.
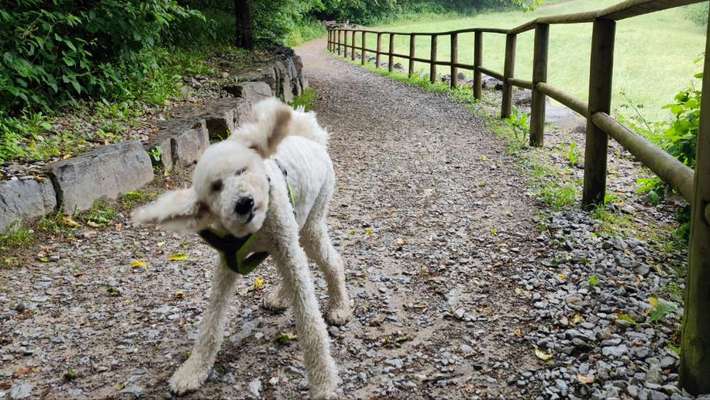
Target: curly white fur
column 240, row 168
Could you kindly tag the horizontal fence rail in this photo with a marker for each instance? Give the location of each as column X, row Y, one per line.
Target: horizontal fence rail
column 694, row 186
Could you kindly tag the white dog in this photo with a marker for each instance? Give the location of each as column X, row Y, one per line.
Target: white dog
column 244, row 187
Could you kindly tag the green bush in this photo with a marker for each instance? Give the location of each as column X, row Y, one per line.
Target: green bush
column 55, row 52
column 698, row 13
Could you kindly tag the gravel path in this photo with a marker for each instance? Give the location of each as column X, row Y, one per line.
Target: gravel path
column 452, row 281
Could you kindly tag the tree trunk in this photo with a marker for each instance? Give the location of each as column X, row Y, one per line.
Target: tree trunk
column 242, row 14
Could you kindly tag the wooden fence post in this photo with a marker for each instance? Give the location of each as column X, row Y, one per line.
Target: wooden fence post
column 412, row 47
column 390, row 60
column 508, row 74
column 362, row 39
column 695, row 347
column 477, row 62
column 432, row 66
column 601, row 72
column 352, row 49
column 345, row 43
column 338, row 44
column 537, row 110
column 454, row 59
column 379, row 50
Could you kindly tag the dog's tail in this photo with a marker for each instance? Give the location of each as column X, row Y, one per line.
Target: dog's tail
column 300, row 123
column 305, row 124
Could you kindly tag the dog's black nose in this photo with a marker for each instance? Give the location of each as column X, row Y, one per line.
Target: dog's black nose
column 244, row 205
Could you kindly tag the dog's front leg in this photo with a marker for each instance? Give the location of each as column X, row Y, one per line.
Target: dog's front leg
column 195, row 370
column 293, row 267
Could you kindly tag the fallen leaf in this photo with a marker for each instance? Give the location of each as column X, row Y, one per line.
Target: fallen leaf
column 179, row 295
column 23, row 371
column 585, row 379
column 68, row 221
column 178, row 257
column 138, row 264
column 577, row 319
column 518, row 332
column 259, row 283
column 285, row 338
column 542, row 355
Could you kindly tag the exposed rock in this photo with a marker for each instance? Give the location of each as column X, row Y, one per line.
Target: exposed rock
column 20, row 390
column 104, row 172
column 25, row 198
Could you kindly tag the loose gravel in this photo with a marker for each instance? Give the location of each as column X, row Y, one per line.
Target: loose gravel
column 462, row 287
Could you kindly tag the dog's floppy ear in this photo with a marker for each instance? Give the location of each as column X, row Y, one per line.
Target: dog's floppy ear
column 271, row 127
column 178, row 210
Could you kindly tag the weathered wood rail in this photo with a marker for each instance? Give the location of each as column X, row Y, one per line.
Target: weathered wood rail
column 694, row 186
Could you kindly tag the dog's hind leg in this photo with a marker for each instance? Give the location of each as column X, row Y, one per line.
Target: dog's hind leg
column 320, row 249
column 195, row 370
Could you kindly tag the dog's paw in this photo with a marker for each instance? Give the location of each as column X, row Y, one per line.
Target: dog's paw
column 338, row 314
column 274, row 301
column 188, row 378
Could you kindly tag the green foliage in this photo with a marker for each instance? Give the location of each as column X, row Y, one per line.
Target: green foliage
column 698, row 13
column 660, row 309
column 101, row 214
column 367, row 12
column 307, row 99
column 653, row 188
column 612, row 223
column 558, row 196
column 66, row 50
column 132, row 199
column 593, row 280
column 572, row 154
column 519, row 122
column 681, row 138
column 28, row 137
column 16, row 236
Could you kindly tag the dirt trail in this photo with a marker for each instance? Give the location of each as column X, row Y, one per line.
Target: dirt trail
column 431, row 217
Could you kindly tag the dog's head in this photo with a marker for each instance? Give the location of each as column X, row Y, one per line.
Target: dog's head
column 230, row 187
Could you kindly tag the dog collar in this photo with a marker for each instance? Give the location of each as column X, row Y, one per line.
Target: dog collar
column 236, row 251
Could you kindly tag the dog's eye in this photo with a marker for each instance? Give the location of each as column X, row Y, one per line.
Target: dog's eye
column 240, row 171
column 216, row 186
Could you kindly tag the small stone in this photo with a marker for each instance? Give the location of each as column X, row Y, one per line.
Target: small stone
column 20, row 390
column 255, row 388
column 133, row 390
column 656, row 395
column 668, row 362
column 395, row 363
column 459, row 313
column 615, row 351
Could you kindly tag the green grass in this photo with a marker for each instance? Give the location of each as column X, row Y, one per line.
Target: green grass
column 654, row 58
column 307, row 99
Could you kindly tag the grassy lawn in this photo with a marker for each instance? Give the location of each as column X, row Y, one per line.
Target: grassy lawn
column 655, row 54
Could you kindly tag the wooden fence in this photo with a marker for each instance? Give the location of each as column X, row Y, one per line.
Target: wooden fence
column 694, row 186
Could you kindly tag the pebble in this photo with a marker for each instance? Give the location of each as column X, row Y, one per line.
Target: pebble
column 255, row 388
column 20, row 390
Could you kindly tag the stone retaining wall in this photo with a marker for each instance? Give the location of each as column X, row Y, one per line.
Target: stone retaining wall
column 74, row 184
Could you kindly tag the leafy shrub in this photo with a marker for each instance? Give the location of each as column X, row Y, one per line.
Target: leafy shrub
column 698, row 13
column 64, row 50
